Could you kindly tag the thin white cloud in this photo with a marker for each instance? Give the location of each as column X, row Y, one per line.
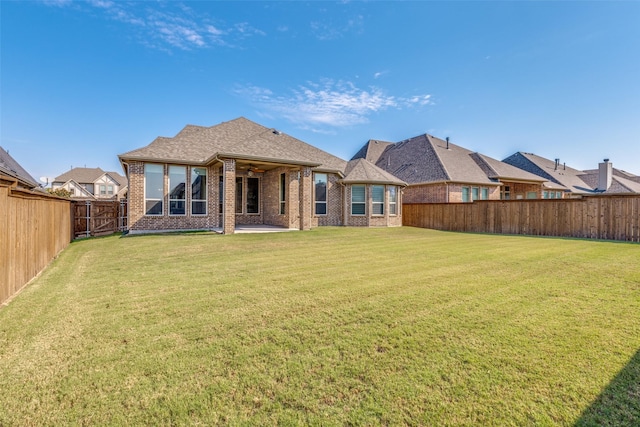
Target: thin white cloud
column 325, row 30
column 167, row 25
column 327, row 104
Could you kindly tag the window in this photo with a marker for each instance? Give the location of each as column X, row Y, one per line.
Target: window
column 465, row 195
column 88, row 187
column 253, row 195
column 177, row 190
column 103, row 189
column 485, row 194
column 358, row 200
column 552, row 195
column 110, row 190
column 283, row 193
column 221, row 194
column 239, row 194
column 506, row 193
column 393, row 200
column 475, row 193
column 558, row 195
column 532, row 195
column 198, row 191
column 378, row 200
column 153, row 189
column 545, row 194
column 320, row 185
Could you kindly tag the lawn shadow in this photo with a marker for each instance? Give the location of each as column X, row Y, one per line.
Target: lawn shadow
column 619, row 402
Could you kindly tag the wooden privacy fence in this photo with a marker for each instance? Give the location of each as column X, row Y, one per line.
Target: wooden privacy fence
column 97, row 218
column 34, row 228
column 593, row 217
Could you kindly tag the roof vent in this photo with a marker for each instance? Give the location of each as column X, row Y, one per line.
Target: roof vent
column 447, row 143
column 277, row 132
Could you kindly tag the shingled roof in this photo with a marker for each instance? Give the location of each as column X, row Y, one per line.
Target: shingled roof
column 427, row 159
column 239, row 138
column 10, row 167
column 363, row 171
column 88, row 175
column 561, row 174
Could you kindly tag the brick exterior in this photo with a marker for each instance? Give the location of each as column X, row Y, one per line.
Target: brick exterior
column 299, row 202
column 138, row 221
column 306, row 183
column 229, row 196
column 369, row 220
column 443, row 192
column 334, row 203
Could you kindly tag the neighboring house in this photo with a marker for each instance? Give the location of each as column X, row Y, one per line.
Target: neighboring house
column 242, row 173
column 92, row 183
column 12, row 173
column 438, row 171
column 604, row 180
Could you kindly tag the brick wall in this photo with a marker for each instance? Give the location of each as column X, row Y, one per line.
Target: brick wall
column 334, row 203
column 138, row 221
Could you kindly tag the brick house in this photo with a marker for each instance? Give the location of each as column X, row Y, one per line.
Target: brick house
column 576, row 183
column 438, row 171
column 242, row 173
column 92, row 184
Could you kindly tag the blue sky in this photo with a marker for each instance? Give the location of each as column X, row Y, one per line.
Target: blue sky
column 82, row 82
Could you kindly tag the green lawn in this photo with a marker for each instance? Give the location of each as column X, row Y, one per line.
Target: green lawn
column 334, row 326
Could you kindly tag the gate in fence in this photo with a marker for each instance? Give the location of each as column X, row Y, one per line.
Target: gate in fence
column 99, row 218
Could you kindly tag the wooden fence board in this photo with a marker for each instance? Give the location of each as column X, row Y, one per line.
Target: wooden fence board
column 613, row 217
column 35, row 228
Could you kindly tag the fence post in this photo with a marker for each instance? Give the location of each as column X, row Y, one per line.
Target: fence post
column 88, row 218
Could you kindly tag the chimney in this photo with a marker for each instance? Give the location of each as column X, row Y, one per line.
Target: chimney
column 605, row 172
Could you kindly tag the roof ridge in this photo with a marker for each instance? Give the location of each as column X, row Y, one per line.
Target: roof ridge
column 435, row 152
column 478, row 157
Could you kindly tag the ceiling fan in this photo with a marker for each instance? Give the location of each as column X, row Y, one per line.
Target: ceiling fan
column 252, row 169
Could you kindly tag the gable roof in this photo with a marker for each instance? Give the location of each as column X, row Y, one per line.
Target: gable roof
column 88, row 175
column 548, row 169
column 372, row 150
column 239, row 138
column 10, row 167
column 363, row 171
column 618, row 183
column 427, row 159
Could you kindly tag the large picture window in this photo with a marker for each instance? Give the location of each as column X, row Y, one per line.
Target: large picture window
column 358, row 200
column 198, row 191
column 153, row 189
column 377, row 197
column 320, row 193
column 393, row 200
column 177, row 190
column 253, row 195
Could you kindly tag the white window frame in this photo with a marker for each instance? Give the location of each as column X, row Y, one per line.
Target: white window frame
column 148, row 199
column 363, row 203
column 184, row 182
column 282, row 194
column 379, row 204
column 393, row 201
column 202, row 191
column 326, row 195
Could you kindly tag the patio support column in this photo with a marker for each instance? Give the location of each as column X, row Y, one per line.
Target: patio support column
column 305, row 198
column 229, row 196
column 293, row 199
